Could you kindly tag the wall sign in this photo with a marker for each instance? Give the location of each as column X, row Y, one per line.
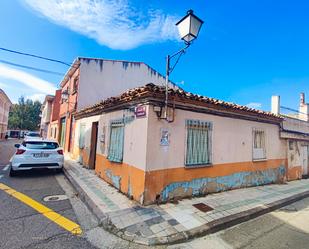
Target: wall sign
column 140, row 111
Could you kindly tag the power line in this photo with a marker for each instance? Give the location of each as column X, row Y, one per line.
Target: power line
column 31, row 68
column 36, row 56
column 293, row 110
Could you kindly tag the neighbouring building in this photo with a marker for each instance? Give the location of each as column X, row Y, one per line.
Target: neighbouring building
column 53, row 128
column 46, row 110
column 295, row 132
column 90, row 80
column 5, row 104
column 204, row 146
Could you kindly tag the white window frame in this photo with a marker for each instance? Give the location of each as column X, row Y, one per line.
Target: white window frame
column 259, row 152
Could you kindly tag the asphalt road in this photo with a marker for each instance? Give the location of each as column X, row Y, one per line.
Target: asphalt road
column 23, row 227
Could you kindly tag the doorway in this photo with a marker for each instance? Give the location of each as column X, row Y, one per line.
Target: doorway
column 93, row 145
column 305, row 161
column 62, row 131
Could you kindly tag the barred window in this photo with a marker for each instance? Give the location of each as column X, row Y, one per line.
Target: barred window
column 259, row 148
column 116, row 142
column 199, row 144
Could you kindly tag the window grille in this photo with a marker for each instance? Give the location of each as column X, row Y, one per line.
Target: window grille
column 259, row 148
column 116, row 142
column 199, row 142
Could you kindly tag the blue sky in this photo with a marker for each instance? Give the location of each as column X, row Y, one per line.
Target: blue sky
column 246, row 51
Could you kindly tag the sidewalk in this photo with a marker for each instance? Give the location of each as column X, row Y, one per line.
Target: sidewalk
column 172, row 223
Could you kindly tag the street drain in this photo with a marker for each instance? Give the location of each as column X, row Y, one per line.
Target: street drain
column 55, row 198
column 202, row 207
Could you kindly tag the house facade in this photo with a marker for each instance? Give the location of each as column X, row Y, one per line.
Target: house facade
column 90, row 80
column 295, row 133
column 53, row 128
column 204, row 145
column 46, row 110
column 5, row 104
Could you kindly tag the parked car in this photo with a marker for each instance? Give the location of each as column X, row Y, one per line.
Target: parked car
column 37, row 154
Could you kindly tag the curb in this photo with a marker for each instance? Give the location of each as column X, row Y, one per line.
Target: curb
column 101, row 217
column 205, row 229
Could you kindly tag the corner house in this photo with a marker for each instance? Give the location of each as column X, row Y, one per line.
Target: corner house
column 203, row 146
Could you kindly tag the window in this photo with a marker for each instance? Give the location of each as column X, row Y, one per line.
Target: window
column 199, row 134
column 40, row 145
column 75, row 85
column 259, row 149
column 115, row 151
column 82, row 130
column 55, row 132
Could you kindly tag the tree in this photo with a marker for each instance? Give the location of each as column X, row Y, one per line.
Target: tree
column 25, row 115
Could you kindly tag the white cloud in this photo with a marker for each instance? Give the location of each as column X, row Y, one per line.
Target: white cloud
column 254, row 105
column 113, row 23
column 37, row 96
column 27, row 79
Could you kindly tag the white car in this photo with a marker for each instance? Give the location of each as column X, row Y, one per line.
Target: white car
column 37, row 154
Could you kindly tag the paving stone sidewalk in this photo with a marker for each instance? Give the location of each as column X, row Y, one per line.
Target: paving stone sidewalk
column 171, row 223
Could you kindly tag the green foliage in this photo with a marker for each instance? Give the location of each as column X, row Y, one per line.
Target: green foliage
column 25, row 115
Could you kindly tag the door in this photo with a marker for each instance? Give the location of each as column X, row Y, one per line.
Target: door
column 62, row 133
column 305, row 160
column 93, row 145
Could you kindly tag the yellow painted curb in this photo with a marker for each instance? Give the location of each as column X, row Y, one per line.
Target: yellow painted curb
column 47, row 212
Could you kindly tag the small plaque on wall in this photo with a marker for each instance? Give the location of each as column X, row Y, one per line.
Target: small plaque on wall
column 140, row 111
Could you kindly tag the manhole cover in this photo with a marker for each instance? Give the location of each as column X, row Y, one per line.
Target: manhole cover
column 55, row 198
column 202, row 207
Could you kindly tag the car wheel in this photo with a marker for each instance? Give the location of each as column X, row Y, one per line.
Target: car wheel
column 13, row 173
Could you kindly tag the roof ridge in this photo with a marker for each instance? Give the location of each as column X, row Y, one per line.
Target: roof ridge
column 152, row 88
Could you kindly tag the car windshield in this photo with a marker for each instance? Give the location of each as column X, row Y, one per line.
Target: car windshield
column 33, row 134
column 40, row 145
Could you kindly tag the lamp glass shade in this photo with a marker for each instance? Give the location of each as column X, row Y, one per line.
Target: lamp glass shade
column 189, row 27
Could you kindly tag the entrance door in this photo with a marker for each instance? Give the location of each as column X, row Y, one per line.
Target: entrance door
column 305, row 159
column 62, row 134
column 93, row 144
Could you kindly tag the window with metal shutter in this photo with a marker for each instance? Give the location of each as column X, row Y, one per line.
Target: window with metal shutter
column 115, row 151
column 199, row 134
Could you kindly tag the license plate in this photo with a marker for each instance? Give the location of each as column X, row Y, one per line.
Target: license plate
column 40, row 155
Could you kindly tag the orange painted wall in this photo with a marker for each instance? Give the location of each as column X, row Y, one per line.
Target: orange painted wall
column 294, row 173
column 157, row 180
column 131, row 179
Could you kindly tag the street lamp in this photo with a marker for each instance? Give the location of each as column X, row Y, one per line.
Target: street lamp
column 65, row 95
column 188, row 27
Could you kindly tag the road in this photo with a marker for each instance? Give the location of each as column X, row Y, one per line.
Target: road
column 23, row 227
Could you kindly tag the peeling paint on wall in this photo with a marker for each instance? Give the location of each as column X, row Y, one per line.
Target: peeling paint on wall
column 116, row 180
column 205, row 185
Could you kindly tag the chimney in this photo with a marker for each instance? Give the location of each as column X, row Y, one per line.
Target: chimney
column 302, row 98
column 303, row 108
column 275, row 104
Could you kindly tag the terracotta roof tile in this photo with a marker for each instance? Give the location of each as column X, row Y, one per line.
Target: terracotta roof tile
column 151, row 90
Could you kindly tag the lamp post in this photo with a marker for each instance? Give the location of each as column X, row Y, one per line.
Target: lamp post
column 188, row 27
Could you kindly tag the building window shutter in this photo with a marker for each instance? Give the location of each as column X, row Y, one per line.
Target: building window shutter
column 259, row 148
column 199, row 135
column 82, row 136
column 115, row 151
